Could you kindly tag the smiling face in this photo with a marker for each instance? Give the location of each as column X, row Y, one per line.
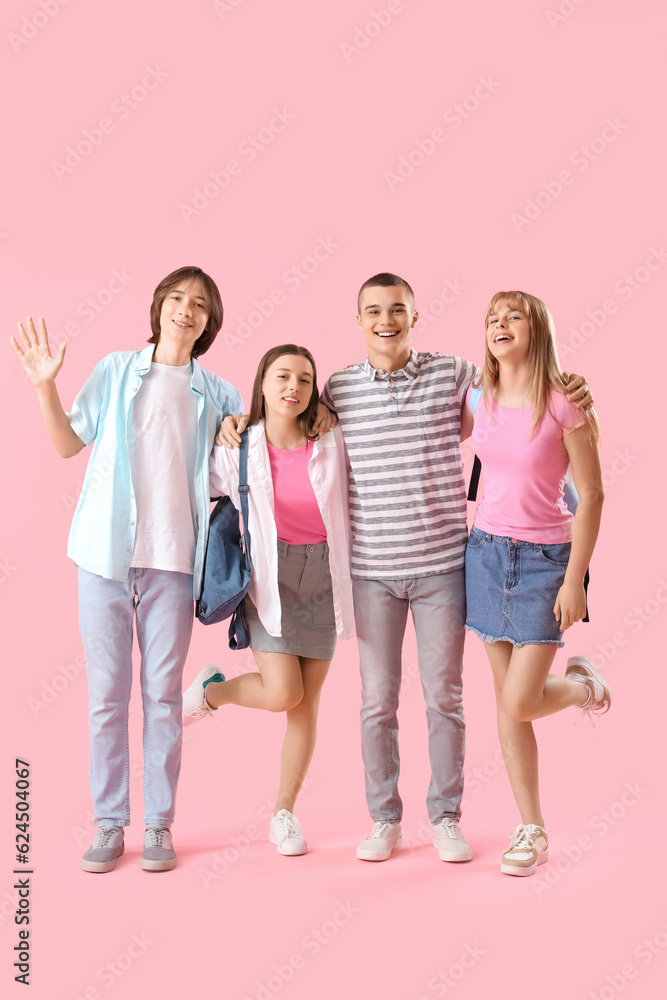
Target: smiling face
column 287, row 386
column 508, row 333
column 386, row 316
column 184, row 314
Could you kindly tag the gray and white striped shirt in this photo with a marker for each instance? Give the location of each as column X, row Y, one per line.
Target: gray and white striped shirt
column 402, row 430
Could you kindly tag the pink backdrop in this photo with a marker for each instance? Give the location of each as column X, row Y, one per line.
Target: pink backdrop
column 291, row 150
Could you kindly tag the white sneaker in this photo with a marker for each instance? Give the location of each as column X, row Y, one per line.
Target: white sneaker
column 107, row 847
column 195, row 706
column 378, row 845
column 528, row 848
column 286, row 833
column 450, row 842
column 580, row 668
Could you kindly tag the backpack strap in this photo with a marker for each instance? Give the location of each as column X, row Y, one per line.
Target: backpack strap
column 244, row 489
column 474, row 396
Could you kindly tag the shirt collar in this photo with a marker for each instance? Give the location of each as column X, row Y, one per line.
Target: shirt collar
column 409, row 371
column 145, row 358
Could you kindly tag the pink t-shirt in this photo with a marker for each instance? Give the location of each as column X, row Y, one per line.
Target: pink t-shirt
column 296, row 511
column 524, row 475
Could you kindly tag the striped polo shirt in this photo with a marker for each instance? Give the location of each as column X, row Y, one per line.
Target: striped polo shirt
column 402, row 430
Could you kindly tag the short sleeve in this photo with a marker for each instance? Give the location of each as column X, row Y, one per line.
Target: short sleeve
column 84, row 417
column 464, row 373
column 233, row 404
column 326, row 396
column 568, row 415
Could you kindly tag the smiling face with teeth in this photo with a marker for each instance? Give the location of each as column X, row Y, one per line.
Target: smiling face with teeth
column 508, row 332
column 184, row 315
column 386, row 317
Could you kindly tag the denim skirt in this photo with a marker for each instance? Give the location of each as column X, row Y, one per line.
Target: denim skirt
column 308, row 623
column 511, row 588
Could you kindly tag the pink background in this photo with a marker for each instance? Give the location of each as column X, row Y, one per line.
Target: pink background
column 356, row 92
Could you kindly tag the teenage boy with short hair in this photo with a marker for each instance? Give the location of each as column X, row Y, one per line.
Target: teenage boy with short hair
column 138, row 537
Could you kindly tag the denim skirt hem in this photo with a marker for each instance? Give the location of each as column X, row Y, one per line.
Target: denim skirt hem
column 518, row 645
column 511, row 589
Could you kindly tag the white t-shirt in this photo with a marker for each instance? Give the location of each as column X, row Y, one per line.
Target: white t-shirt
column 163, row 469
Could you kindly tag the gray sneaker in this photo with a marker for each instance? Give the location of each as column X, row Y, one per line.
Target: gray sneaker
column 105, row 850
column 158, row 853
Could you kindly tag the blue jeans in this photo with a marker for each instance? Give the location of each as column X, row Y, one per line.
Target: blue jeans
column 438, row 612
column 164, row 609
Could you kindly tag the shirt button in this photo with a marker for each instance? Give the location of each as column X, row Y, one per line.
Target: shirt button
column 131, row 524
column 392, row 398
column 128, row 550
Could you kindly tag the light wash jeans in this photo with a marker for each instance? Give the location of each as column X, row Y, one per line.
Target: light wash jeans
column 438, row 611
column 164, row 609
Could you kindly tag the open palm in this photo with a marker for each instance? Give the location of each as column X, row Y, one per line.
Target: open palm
column 40, row 365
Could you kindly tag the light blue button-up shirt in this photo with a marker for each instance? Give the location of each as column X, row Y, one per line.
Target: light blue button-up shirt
column 103, row 529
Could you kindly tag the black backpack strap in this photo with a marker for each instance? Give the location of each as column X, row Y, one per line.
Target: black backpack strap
column 474, row 479
column 244, row 489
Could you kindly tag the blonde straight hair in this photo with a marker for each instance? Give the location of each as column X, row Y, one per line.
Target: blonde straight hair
column 544, row 372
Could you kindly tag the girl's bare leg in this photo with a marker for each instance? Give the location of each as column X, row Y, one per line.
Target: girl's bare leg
column 301, row 733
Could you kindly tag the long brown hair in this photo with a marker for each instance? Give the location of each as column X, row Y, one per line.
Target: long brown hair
column 304, row 419
column 544, row 371
column 213, row 303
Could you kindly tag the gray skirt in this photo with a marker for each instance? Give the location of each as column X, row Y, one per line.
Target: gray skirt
column 308, row 623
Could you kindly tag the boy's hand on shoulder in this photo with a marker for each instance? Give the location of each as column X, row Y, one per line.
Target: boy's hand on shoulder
column 324, row 420
column 578, row 391
column 35, row 354
column 230, row 430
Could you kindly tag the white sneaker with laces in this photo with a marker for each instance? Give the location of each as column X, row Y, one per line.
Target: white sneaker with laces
column 450, row 842
column 286, row 833
column 528, row 848
column 580, row 668
column 381, row 841
column 195, row 706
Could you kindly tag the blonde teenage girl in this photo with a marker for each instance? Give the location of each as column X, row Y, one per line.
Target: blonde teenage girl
column 527, row 555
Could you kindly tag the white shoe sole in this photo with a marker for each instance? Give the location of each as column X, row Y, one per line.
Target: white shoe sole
column 446, row 856
column 512, row 870
column 368, row 855
column 101, row 866
column 158, row 866
column 289, row 852
column 582, row 665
